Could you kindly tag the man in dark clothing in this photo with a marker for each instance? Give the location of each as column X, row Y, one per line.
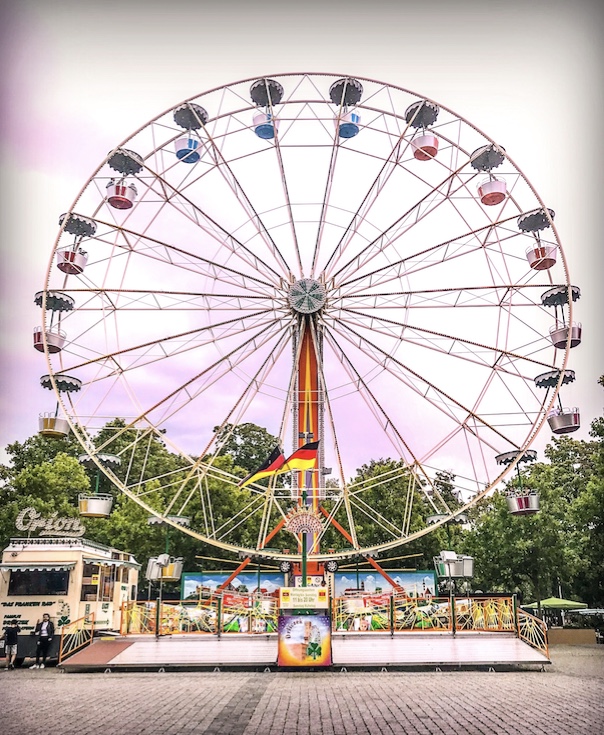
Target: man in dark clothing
column 10, row 636
column 45, row 631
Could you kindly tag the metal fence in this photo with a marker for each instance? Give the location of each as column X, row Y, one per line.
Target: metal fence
column 75, row 636
column 253, row 615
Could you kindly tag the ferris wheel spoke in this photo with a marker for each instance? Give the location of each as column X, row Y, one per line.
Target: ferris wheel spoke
column 241, row 196
column 400, row 268
column 369, row 512
column 211, row 227
column 218, row 331
column 184, row 259
column 288, row 204
column 242, row 403
column 229, row 363
column 384, row 420
column 211, row 374
column 325, row 204
column 162, row 300
column 386, row 359
column 369, row 199
column 401, row 334
column 458, row 297
column 322, row 384
column 440, row 194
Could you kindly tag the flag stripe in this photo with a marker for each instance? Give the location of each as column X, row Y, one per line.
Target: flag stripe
column 267, row 468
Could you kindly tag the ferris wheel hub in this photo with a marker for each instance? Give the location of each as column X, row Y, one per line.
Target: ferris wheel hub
column 307, row 296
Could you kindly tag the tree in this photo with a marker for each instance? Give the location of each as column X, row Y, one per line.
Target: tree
column 49, row 486
column 247, row 444
column 588, row 537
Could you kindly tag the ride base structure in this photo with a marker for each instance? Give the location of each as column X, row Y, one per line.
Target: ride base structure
column 292, row 631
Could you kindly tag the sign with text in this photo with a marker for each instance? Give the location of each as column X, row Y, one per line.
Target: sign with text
column 299, row 598
column 54, row 525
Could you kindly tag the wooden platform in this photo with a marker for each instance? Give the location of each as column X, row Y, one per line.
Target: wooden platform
column 403, row 650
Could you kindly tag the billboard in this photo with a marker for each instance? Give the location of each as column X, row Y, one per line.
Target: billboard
column 203, row 584
column 304, row 640
column 414, row 583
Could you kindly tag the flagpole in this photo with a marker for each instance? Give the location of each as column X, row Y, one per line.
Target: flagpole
column 304, row 544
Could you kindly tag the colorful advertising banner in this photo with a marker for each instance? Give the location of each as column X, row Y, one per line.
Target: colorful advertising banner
column 197, row 585
column 296, row 598
column 304, row 640
column 414, row 584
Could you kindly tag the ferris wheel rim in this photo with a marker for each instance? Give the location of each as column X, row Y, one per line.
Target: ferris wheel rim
column 536, row 426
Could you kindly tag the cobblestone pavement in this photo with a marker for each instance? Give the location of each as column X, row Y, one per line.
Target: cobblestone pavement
column 566, row 699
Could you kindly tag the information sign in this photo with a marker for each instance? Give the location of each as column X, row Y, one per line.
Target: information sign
column 300, row 598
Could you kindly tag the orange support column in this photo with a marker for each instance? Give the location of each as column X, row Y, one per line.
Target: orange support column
column 308, row 424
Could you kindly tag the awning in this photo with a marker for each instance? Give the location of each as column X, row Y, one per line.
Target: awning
column 113, row 563
column 556, row 603
column 37, row 566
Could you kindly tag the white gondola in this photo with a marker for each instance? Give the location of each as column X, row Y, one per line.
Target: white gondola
column 95, row 506
column 564, row 420
column 522, row 505
column 559, row 334
column 541, row 257
column 265, row 125
column 51, row 425
column 348, row 124
column 72, row 262
column 425, row 147
column 121, row 195
column 55, row 339
column 187, row 150
column 172, row 572
column 492, row 191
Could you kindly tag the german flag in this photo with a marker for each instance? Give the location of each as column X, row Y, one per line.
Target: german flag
column 268, row 468
column 304, row 458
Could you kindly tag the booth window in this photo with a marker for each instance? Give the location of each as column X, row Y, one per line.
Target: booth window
column 98, row 583
column 38, row 583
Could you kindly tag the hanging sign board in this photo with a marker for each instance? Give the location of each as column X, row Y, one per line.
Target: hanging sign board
column 315, row 580
column 300, row 598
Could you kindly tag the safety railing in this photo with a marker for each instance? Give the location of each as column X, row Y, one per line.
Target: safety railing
column 75, row 636
column 227, row 613
column 188, row 616
column 399, row 612
column 360, row 614
column 484, row 614
column 231, row 613
column 533, row 631
column 417, row 614
column 138, row 618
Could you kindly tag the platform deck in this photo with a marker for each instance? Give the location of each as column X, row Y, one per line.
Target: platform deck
column 350, row 651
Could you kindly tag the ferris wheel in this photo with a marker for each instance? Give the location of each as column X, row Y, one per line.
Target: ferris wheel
column 336, row 259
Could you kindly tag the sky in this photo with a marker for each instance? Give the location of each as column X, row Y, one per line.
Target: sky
column 80, row 78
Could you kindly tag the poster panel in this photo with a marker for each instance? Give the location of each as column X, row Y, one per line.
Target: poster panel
column 304, row 640
column 297, row 598
column 414, row 583
column 197, row 585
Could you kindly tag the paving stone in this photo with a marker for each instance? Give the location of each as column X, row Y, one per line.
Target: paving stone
column 566, row 699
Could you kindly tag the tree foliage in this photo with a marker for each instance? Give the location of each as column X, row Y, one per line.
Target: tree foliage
column 559, row 549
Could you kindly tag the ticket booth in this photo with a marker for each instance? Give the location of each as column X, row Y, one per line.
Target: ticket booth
column 304, row 627
column 67, row 577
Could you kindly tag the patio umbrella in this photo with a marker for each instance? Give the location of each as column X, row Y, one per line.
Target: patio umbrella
column 557, row 603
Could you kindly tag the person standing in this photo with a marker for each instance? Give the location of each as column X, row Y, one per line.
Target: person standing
column 10, row 636
column 45, row 631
